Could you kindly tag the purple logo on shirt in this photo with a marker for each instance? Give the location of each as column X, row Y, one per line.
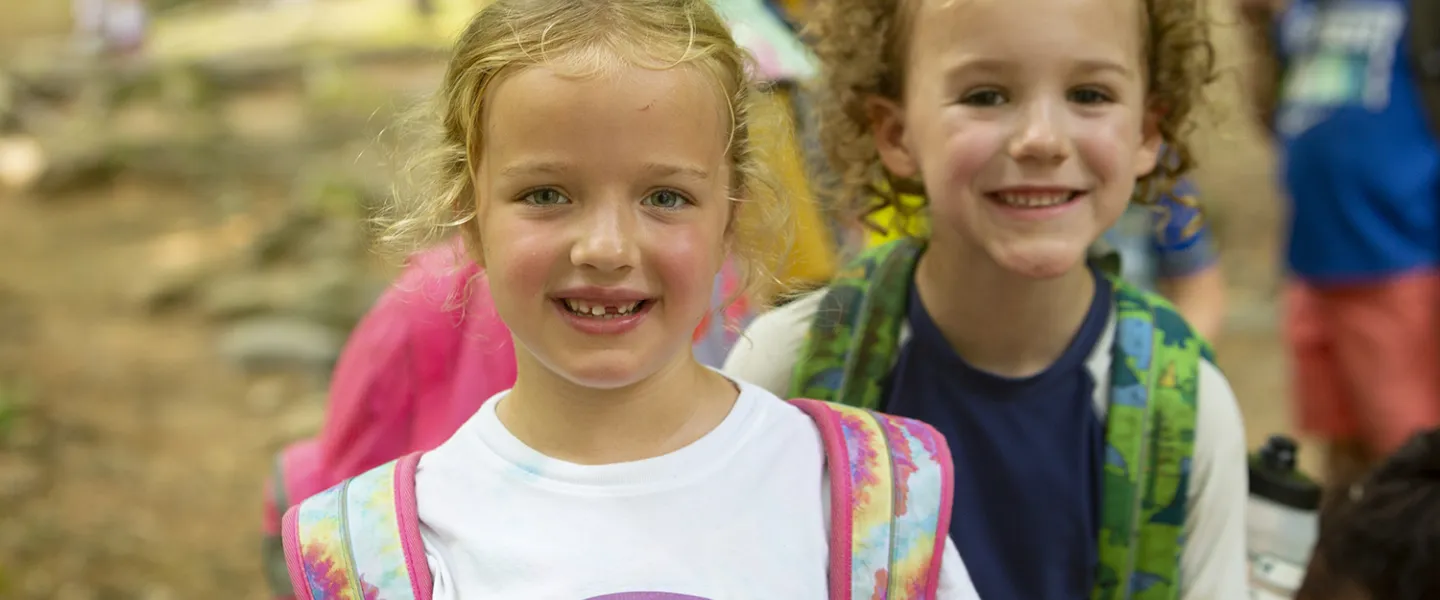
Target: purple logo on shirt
column 647, row 596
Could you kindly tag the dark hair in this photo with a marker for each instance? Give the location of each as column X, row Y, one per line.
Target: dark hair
column 1381, row 537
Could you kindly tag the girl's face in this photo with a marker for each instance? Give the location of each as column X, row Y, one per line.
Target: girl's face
column 604, row 212
column 1026, row 121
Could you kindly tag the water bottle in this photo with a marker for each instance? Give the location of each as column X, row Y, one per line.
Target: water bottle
column 1282, row 520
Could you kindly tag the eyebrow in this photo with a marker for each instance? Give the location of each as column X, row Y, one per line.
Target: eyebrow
column 1103, row 66
column 549, row 167
column 970, row 64
column 673, row 170
column 540, row 167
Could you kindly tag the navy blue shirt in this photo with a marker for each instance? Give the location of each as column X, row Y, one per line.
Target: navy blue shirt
column 1027, row 455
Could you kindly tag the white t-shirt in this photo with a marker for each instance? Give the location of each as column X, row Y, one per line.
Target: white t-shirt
column 1213, row 559
column 741, row 513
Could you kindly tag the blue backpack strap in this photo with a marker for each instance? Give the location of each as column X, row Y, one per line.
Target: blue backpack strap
column 891, row 488
column 360, row 540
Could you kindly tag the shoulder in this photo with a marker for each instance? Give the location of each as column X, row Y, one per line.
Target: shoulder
column 1219, row 427
column 767, row 351
column 1213, row 560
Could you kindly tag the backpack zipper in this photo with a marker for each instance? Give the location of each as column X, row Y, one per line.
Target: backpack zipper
column 892, row 583
column 346, row 542
column 1138, row 500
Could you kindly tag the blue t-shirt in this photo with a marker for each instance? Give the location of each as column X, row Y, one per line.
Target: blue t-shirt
column 1027, row 456
column 1359, row 163
column 1166, row 240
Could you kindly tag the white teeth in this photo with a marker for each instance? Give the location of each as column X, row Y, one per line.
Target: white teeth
column 1034, row 200
column 581, row 307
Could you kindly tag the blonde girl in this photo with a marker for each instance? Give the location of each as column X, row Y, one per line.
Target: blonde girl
column 596, row 157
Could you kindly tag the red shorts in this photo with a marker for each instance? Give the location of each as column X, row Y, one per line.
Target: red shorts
column 1366, row 359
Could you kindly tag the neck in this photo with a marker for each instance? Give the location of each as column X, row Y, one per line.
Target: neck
column 999, row 321
column 658, row 415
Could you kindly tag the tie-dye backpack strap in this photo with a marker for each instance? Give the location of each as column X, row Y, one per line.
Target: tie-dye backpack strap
column 852, row 343
column 891, row 488
column 360, row 540
column 1150, row 445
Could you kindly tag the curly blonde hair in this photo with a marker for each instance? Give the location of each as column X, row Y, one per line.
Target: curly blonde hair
column 586, row 37
column 862, row 45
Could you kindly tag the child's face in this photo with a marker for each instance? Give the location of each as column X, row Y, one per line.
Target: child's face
column 1025, row 119
column 596, row 194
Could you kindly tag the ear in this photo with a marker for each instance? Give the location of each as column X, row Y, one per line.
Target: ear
column 1147, row 154
column 887, row 126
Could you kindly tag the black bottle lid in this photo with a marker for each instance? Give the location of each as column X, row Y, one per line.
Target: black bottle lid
column 1274, row 477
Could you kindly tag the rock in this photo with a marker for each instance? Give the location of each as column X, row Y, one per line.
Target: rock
column 279, row 342
column 167, row 288
column 334, row 293
column 343, row 239
column 283, row 239
column 244, row 295
column 337, row 293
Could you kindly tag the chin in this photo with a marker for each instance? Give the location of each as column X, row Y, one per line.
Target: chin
column 1041, row 261
column 604, row 374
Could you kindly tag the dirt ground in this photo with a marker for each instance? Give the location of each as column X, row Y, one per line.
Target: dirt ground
column 131, row 455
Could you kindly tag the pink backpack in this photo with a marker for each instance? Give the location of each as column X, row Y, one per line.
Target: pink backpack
column 890, row 487
column 414, row 369
column 398, row 386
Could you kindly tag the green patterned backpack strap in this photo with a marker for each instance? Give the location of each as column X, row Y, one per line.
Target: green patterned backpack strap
column 852, row 342
column 1149, row 447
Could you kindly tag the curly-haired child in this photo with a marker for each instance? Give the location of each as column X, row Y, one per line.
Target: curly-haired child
column 1100, row 452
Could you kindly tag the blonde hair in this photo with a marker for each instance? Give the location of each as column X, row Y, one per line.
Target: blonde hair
column 862, row 45
column 590, row 36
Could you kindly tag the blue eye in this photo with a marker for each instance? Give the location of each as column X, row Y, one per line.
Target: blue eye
column 544, row 197
column 667, row 199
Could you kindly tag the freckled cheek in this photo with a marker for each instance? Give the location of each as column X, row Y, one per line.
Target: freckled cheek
column 520, row 261
column 685, row 261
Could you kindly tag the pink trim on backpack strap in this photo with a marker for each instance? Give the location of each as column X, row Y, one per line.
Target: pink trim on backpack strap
column 947, row 502
column 841, row 495
column 407, row 516
column 289, row 528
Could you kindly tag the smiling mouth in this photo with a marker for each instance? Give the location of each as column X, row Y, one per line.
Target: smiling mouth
column 1034, row 199
column 596, row 310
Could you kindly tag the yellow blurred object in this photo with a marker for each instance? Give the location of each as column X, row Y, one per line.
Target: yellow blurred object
column 811, row 259
column 329, row 27
column 918, row 224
